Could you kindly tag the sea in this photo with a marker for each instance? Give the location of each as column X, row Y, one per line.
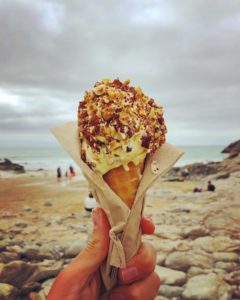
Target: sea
column 53, row 157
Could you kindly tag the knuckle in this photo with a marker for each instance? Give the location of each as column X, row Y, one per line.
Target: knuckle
column 93, row 244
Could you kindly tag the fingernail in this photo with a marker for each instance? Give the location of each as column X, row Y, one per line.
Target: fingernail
column 129, row 273
column 96, row 217
column 115, row 296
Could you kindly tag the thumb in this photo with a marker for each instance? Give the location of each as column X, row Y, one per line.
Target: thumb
column 96, row 250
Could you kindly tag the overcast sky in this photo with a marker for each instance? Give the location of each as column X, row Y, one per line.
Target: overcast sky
column 184, row 54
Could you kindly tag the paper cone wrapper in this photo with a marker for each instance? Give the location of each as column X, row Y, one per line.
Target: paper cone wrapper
column 125, row 233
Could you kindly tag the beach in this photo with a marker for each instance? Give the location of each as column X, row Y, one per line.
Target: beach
column 43, row 225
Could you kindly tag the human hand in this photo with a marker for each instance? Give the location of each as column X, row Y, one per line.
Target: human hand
column 81, row 279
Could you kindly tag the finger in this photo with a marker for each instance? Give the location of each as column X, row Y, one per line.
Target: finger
column 72, row 279
column 145, row 289
column 140, row 265
column 147, row 226
column 96, row 250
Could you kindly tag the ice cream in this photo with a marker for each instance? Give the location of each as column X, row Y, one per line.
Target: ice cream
column 118, row 126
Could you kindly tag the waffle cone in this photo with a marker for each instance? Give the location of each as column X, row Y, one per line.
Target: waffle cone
column 125, row 183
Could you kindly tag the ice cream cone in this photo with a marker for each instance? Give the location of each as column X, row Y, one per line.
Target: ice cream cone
column 125, row 183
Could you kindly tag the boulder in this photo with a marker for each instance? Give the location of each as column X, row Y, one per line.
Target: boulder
column 226, row 256
column 36, row 253
column 194, row 232
column 8, row 292
column 207, row 287
column 170, row 277
column 184, row 260
column 16, row 273
column 7, row 165
column 20, row 273
column 227, row 266
column 214, row 244
column 233, row 147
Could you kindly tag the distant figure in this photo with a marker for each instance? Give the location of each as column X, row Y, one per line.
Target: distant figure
column 72, row 172
column 90, row 202
column 197, row 190
column 211, row 187
column 59, row 173
column 66, row 174
column 185, row 174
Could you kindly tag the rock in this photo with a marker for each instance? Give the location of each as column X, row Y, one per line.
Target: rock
column 232, row 155
column 15, row 249
column 48, row 204
column 8, row 292
column 214, row 244
column 161, row 258
column 227, row 266
column 7, row 165
column 226, row 256
column 195, row 232
column 55, row 220
column 29, row 287
column 170, row 291
column 166, row 246
column 233, row 147
column 160, row 298
column 20, row 273
column 193, row 271
column 78, row 227
column 184, row 260
column 21, row 224
column 221, row 175
column 170, row 232
column 46, row 270
column 27, row 208
column 16, row 273
column 34, row 296
column 207, row 287
column 35, row 253
column 6, row 256
column 170, row 277
column 46, row 286
column 73, row 249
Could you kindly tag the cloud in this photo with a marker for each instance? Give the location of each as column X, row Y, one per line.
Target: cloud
column 184, row 54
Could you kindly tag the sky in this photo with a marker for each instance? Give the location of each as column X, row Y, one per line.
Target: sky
column 184, row 54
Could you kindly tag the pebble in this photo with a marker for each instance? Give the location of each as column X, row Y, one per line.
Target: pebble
column 48, row 204
column 27, row 209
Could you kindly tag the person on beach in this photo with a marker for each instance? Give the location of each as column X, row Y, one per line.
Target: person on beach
column 185, row 174
column 59, row 174
column 89, row 203
column 210, row 187
column 72, row 172
column 81, row 278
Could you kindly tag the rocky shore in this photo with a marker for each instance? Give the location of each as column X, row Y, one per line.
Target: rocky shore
column 43, row 226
